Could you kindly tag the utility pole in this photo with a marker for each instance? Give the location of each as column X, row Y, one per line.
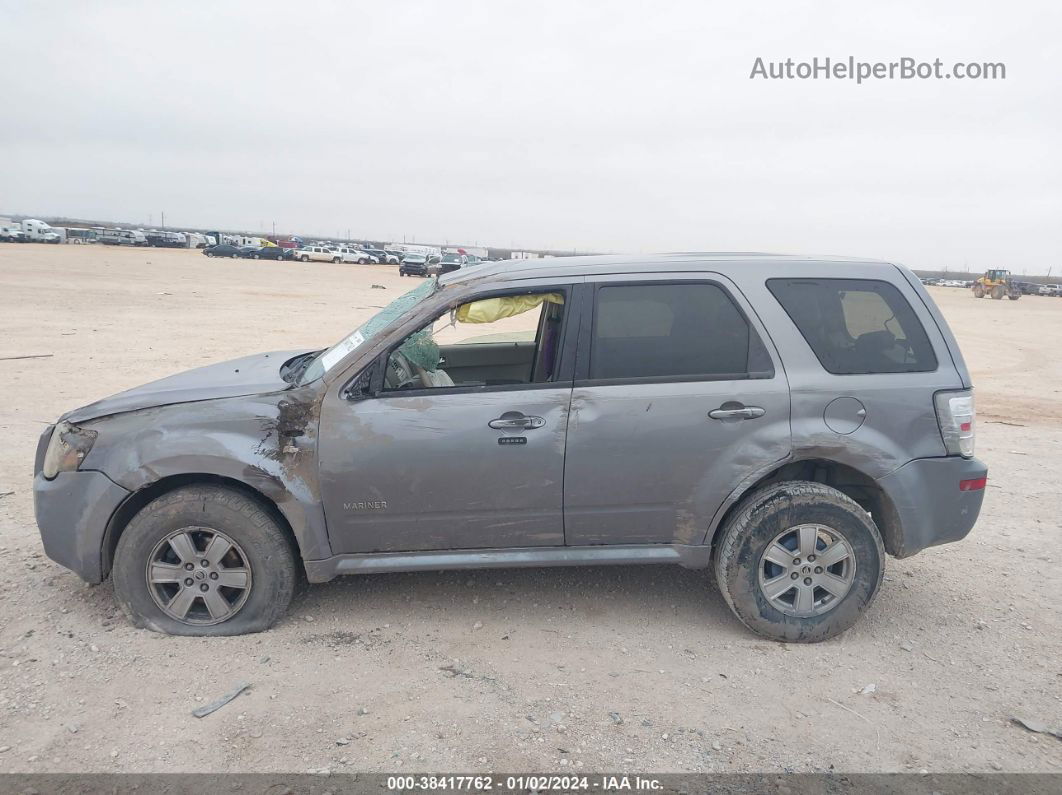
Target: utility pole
column 274, row 229
column 163, row 219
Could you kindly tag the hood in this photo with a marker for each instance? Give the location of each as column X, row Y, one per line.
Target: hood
column 249, row 375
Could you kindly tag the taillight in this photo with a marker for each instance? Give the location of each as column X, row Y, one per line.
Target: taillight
column 955, row 415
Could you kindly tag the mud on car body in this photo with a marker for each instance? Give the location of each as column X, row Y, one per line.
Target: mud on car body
column 783, row 421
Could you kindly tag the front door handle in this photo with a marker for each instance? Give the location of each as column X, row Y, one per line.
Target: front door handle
column 738, row 413
column 514, row 420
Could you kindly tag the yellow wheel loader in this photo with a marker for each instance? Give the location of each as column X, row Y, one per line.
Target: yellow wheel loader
column 997, row 284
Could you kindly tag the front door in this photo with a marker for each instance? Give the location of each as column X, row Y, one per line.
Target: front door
column 676, row 399
column 470, row 457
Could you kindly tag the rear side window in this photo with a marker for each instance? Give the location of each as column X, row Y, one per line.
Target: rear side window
column 856, row 326
column 673, row 330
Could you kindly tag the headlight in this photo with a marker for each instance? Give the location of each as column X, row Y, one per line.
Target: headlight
column 66, row 449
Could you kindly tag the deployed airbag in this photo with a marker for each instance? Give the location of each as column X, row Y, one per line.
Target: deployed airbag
column 491, row 309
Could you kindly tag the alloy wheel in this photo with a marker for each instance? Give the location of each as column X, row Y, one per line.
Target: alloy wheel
column 198, row 575
column 807, row 570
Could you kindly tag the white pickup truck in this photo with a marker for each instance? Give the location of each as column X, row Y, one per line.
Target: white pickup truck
column 1050, row 289
column 357, row 255
column 317, row 254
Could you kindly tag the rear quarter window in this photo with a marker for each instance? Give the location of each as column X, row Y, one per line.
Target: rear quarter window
column 856, row 326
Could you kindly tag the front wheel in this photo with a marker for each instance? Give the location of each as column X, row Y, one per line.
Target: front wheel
column 204, row 560
column 799, row 562
column 979, row 291
column 304, row 259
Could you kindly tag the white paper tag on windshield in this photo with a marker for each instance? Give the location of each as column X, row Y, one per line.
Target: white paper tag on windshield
column 333, row 356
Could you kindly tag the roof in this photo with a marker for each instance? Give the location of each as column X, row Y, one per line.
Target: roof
column 515, row 270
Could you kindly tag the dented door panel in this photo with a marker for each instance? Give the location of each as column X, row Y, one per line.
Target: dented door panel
column 646, row 464
column 423, row 472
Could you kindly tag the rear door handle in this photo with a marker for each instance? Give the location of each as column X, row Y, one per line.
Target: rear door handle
column 742, row 413
column 514, row 420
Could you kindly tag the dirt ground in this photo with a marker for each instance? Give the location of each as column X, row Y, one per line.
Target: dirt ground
column 568, row 669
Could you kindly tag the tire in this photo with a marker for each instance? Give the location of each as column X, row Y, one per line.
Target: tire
column 401, row 273
column 363, row 261
column 1014, row 297
column 260, row 548
column 764, row 518
column 997, row 293
column 209, row 254
column 233, row 256
column 304, row 259
column 979, row 291
column 255, row 256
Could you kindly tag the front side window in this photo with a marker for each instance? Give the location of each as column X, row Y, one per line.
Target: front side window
column 856, row 326
column 498, row 341
column 691, row 330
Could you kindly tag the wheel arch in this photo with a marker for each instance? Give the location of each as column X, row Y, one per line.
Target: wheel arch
column 152, row 491
column 848, row 480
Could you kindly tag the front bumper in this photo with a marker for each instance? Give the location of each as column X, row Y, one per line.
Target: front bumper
column 930, row 507
column 72, row 514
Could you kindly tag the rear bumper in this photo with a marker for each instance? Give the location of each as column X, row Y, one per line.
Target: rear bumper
column 930, row 507
column 72, row 514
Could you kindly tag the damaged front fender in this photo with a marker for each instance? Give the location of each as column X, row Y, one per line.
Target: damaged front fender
column 267, row 443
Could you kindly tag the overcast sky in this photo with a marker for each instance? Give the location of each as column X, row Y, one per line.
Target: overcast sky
column 589, row 125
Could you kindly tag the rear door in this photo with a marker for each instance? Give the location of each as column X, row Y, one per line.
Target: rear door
column 679, row 394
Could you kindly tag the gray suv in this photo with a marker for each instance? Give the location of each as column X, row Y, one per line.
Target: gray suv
column 784, row 421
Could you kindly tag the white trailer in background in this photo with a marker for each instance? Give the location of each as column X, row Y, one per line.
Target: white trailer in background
column 80, row 236
column 40, row 232
column 120, row 237
column 410, row 248
column 472, row 251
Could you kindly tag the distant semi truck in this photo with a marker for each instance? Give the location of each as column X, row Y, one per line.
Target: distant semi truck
column 40, row 232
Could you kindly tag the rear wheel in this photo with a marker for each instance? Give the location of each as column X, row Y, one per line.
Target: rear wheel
column 304, row 258
column 979, row 291
column 998, row 292
column 799, row 562
column 204, row 560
